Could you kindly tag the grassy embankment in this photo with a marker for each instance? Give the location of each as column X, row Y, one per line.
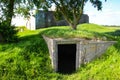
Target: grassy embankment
column 29, row 58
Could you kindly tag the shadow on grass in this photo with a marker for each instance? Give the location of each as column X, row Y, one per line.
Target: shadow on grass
column 24, row 41
column 37, row 39
column 33, row 62
column 115, row 33
column 115, row 36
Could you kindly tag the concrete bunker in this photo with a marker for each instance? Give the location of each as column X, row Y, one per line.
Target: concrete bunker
column 67, row 55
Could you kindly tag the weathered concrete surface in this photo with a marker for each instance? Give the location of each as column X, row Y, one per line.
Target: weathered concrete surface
column 44, row 19
column 47, row 19
column 84, row 19
column 86, row 50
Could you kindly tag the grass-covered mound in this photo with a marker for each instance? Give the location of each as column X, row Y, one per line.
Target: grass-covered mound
column 29, row 58
column 85, row 31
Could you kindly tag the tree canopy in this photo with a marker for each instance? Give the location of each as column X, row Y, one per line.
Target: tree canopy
column 9, row 8
column 72, row 10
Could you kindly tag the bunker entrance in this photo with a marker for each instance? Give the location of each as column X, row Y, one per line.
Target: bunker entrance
column 66, row 58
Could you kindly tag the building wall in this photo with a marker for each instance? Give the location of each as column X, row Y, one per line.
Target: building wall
column 43, row 19
column 47, row 19
column 30, row 23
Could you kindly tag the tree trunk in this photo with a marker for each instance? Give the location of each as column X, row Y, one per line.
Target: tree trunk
column 73, row 26
column 10, row 12
column 1, row 38
column 74, row 22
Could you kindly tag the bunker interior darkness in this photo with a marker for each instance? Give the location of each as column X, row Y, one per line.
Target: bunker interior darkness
column 66, row 58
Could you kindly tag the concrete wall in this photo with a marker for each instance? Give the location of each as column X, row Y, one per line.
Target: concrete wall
column 86, row 50
column 47, row 19
column 44, row 19
column 30, row 23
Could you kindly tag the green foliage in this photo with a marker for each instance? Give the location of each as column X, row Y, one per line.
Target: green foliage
column 70, row 9
column 26, row 60
column 6, row 10
column 10, row 8
column 29, row 58
column 8, row 33
column 58, row 15
column 73, row 10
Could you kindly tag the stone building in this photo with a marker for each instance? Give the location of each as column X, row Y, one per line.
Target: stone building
column 47, row 19
column 44, row 19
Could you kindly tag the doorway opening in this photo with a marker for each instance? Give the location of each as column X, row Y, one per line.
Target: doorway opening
column 66, row 58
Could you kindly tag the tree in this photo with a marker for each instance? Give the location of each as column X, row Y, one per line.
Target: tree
column 72, row 10
column 8, row 8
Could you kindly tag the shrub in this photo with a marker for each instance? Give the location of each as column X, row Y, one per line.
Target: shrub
column 8, row 33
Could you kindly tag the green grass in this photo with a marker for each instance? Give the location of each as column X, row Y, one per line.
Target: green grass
column 29, row 59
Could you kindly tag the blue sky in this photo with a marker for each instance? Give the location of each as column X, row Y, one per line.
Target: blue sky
column 110, row 14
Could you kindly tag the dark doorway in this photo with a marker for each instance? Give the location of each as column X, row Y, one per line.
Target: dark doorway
column 66, row 58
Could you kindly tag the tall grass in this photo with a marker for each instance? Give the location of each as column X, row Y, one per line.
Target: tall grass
column 29, row 58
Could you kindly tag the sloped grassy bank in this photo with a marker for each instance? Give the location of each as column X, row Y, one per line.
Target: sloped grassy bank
column 85, row 31
column 29, row 58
